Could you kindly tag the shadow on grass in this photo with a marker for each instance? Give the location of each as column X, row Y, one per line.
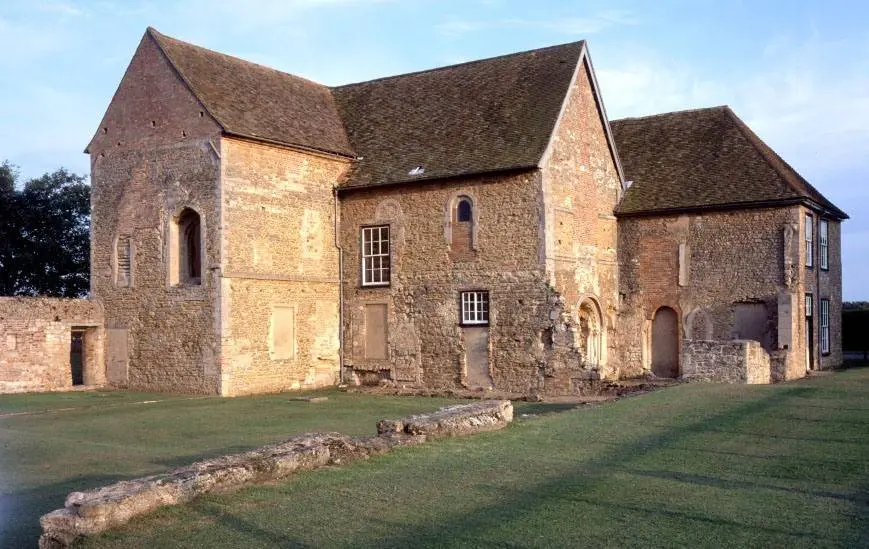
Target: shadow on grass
column 263, row 537
column 20, row 511
column 542, row 408
column 514, row 506
column 183, row 461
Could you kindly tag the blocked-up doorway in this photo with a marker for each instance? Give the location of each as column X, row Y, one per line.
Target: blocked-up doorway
column 665, row 343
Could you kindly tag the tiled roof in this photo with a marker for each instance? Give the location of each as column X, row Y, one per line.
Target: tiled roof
column 253, row 101
column 490, row 115
column 702, row 159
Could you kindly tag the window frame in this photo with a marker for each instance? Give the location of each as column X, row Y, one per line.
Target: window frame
column 824, row 244
column 824, row 326
column 480, row 308
column 808, row 236
column 366, row 229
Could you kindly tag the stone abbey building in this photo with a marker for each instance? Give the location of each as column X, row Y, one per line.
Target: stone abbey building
column 482, row 225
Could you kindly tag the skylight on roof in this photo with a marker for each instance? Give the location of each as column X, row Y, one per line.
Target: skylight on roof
column 419, row 170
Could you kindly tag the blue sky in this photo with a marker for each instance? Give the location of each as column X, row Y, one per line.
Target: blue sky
column 796, row 71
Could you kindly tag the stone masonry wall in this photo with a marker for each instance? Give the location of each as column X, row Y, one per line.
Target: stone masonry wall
column 35, row 342
column 581, row 188
column 425, row 342
column 821, row 284
column 279, row 293
column 735, row 361
column 714, row 269
column 155, row 153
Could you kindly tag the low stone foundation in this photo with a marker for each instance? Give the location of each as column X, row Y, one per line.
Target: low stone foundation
column 734, row 361
column 94, row 511
column 36, row 343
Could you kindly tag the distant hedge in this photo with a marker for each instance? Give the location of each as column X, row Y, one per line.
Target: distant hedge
column 855, row 330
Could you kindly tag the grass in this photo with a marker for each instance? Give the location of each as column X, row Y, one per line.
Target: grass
column 52, row 444
column 689, row 466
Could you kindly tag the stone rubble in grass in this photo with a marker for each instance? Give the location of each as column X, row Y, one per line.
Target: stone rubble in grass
column 93, row 511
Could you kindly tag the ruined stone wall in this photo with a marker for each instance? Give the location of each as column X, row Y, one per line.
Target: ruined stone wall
column 581, row 188
column 728, row 275
column 154, row 154
column 279, row 296
column 425, row 342
column 735, row 361
column 35, row 337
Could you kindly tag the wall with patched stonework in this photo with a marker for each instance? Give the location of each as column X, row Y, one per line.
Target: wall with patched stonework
column 279, row 288
column 735, row 361
column 156, row 152
column 425, row 342
column 729, row 275
column 35, row 342
column 581, row 188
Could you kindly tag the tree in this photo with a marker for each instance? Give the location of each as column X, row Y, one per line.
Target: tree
column 44, row 234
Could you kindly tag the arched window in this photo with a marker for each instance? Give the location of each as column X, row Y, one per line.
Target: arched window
column 463, row 210
column 189, row 248
column 462, row 228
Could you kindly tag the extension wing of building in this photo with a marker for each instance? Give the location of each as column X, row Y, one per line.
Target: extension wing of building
column 467, row 226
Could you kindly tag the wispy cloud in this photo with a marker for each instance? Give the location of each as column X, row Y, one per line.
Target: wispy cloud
column 563, row 25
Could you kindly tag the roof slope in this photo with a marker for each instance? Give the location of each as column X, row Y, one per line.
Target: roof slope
column 254, row 101
column 702, row 159
column 490, row 115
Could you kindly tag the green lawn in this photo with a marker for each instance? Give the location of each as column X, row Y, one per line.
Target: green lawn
column 52, row 444
column 690, row 466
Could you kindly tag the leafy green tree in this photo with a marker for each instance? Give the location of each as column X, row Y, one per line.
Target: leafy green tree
column 44, row 234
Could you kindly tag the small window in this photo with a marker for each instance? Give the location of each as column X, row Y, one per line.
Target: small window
column 809, row 240
column 825, row 326
column 475, row 308
column 823, row 250
column 463, row 211
column 124, row 266
column 189, row 248
column 375, row 256
column 809, row 306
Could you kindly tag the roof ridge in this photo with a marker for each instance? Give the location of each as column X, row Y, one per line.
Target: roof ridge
column 159, row 35
column 454, row 65
column 670, row 113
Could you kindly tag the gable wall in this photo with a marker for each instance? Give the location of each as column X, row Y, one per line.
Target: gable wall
column 279, row 278
column 142, row 175
column 581, row 189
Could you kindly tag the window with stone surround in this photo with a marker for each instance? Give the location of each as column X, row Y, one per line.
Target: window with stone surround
column 809, row 240
column 186, row 249
column 375, row 256
column 461, row 228
column 823, row 248
column 825, row 326
column 475, row 308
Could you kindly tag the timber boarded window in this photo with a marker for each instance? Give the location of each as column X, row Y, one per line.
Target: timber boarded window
column 475, row 308
column 809, row 240
column 375, row 256
column 124, row 262
column 825, row 326
column 823, row 248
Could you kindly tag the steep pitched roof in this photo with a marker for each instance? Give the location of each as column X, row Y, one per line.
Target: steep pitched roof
column 704, row 159
column 254, row 101
column 490, row 115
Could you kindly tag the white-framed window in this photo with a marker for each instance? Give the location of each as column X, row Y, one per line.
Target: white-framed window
column 809, row 240
column 823, row 249
column 375, row 256
column 475, row 307
column 809, row 306
column 825, row 326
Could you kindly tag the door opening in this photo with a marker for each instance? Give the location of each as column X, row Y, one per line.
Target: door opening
column 76, row 356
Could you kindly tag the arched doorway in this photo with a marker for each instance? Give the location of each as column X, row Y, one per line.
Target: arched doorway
column 665, row 343
column 590, row 333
